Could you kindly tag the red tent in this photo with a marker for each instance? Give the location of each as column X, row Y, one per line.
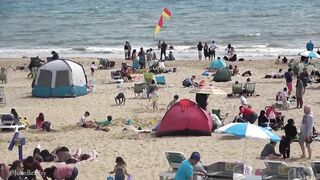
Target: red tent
column 185, row 118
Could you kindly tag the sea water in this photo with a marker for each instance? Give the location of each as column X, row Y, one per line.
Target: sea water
column 99, row 28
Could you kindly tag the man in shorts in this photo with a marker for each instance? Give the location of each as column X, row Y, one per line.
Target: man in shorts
column 306, row 130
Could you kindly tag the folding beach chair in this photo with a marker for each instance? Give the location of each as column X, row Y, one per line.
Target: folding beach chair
column 276, row 172
column 249, row 88
column 174, row 158
column 2, row 96
column 3, row 75
column 237, row 89
column 316, row 169
column 138, row 89
column 148, row 77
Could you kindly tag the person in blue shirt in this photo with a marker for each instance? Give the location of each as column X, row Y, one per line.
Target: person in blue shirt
column 185, row 170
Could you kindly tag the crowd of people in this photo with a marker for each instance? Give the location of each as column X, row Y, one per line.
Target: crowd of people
column 210, row 52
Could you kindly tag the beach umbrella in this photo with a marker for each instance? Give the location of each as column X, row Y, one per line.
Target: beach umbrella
column 248, row 130
column 217, row 64
column 310, row 54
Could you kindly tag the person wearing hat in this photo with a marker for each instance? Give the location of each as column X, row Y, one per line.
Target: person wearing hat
column 55, row 55
column 185, row 170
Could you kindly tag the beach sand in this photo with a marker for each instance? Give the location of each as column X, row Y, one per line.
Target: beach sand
column 144, row 154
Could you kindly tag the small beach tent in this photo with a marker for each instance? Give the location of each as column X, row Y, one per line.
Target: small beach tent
column 217, row 64
column 185, row 118
column 60, row 78
column 222, row 75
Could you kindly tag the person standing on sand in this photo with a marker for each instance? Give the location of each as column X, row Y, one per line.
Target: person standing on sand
column 299, row 92
column 206, row 51
column 126, row 50
column 212, row 51
column 306, row 130
column 200, row 47
column 163, row 50
column 129, row 50
column 288, row 77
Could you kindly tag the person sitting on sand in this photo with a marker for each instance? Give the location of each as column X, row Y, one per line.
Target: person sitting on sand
column 39, row 121
column 120, row 169
column 243, row 99
column 55, row 55
column 125, row 73
column 175, row 99
column 189, row 82
column 269, row 152
column 15, row 115
column 245, row 86
column 162, row 67
column 284, row 98
column 16, row 171
column 85, row 122
column 62, row 171
column 235, row 71
column 262, row 119
column 171, row 56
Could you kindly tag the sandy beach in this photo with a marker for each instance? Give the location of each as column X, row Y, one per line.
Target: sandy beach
column 143, row 153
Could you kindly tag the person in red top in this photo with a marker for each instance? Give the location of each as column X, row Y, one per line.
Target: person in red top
column 30, row 165
column 67, row 172
column 39, row 121
column 248, row 114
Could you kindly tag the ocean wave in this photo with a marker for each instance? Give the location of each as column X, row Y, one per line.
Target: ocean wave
column 78, row 49
column 252, row 35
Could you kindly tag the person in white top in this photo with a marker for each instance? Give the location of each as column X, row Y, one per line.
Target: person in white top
column 212, row 51
column 284, row 98
column 162, row 66
column 243, row 99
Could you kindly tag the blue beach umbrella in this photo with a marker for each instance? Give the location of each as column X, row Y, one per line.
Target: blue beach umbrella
column 248, row 130
column 310, row 54
column 217, row 64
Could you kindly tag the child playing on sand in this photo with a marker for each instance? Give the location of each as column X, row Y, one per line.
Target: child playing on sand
column 120, row 169
column 92, row 67
column 154, row 96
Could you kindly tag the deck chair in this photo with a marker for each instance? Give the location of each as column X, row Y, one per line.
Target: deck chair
column 174, row 158
column 237, row 89
column 224, row 170
column 276, row 172
column 8, row 122
column 218, row 113
column 138, row 89
column 316, row 169
column 148, row 77
column 274, row 163
column 3, row 75
column 2, row 96
column 249, row 88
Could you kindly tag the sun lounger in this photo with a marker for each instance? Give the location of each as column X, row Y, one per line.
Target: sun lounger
column 224, row 170
column 316, row 169
column 237, row 89
column 7, row 122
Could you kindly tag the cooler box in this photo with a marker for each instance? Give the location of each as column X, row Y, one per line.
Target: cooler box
column 161, row 80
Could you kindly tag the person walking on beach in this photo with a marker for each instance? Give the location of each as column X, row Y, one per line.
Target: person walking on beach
column 206, row 51
column 212, row 50
column 306, row 130
column 120, row 169
column 92, row 67
column 126, row 50
column 55, row 55
column 163, row 50
column 288, row 77
column 200, row 47
column 299, row 92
